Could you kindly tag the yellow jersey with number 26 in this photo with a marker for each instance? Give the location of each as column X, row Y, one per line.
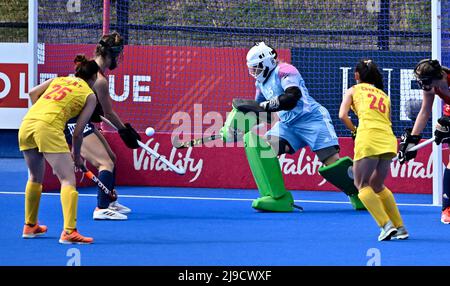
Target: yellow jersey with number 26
column 372, row 106
column 374, row 135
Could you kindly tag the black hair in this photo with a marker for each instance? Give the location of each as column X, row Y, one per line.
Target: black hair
column 369, row 73
column 84, row 68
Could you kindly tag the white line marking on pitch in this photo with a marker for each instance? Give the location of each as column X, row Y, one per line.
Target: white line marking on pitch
column 210, row 199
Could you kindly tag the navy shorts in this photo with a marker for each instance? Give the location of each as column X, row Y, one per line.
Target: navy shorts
column 70, row 127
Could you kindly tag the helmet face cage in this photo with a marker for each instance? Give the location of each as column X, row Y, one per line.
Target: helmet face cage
column 115, row 52
column 261, row 60
column 424, row 83
column 116, row 55
column 425, row 78
column 256, row 70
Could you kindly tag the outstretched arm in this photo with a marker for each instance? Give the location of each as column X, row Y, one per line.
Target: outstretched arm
column 126, row 131
column 102, row 90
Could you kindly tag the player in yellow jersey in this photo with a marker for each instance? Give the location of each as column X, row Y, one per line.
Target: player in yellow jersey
column 375, row 146
column 41, row 137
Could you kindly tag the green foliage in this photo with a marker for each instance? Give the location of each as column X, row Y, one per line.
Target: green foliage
column 14, row 11
column 290, row 16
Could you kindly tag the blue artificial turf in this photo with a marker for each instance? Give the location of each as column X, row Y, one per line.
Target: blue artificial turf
column 171, row 229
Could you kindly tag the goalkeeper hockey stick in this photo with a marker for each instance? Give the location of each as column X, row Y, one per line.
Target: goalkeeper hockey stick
column 152, row 152
column 194, row 142
column 417, row 147
column 178, row 144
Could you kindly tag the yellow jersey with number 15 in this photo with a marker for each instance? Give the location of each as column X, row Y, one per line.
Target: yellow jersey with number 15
column 64, row 99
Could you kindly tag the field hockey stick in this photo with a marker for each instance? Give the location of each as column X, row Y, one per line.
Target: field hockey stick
column 152, row 152
column 417, row 147
column 199, row 141
column 178, row 144
column 99, row 183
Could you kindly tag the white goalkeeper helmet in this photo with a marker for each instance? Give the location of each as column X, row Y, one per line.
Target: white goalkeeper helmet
column 261, row 59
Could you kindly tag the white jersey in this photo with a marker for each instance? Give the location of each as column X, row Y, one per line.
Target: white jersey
column 283, row 76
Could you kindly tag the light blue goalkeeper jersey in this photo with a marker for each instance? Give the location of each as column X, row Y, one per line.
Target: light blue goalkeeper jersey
column 283, row 76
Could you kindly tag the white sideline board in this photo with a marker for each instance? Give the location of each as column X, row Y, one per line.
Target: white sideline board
column 14, row 73
column 18, row 70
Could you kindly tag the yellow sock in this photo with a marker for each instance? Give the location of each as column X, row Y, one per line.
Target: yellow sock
column 373, row 204
column 32, row 199
column 388, row 201
column 69, row 202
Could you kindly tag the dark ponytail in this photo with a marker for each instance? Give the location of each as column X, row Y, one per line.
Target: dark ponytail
column 85, row 68
column 369, row 73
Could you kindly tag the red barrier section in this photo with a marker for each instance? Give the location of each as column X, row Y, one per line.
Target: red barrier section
column 227, row 167
column 13, row 85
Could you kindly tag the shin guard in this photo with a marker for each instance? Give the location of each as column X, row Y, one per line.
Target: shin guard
column 237, row 122
column 266, row 171
column 341, row 176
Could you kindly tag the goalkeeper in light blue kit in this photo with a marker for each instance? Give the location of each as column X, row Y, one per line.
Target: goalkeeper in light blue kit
column 303, row 122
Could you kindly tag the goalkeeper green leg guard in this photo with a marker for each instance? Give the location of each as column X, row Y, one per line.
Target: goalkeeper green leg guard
column 268, row 177
column 237, row 120
column 340, row 175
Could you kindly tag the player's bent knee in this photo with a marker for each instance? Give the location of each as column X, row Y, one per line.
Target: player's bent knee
column 34, row 179
column 106, row 165
column 328, row 155
column 113, row 158
column 68, row 180
column 376, row 186
column 280, row 145
column 101, row 162
column 363, row 184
